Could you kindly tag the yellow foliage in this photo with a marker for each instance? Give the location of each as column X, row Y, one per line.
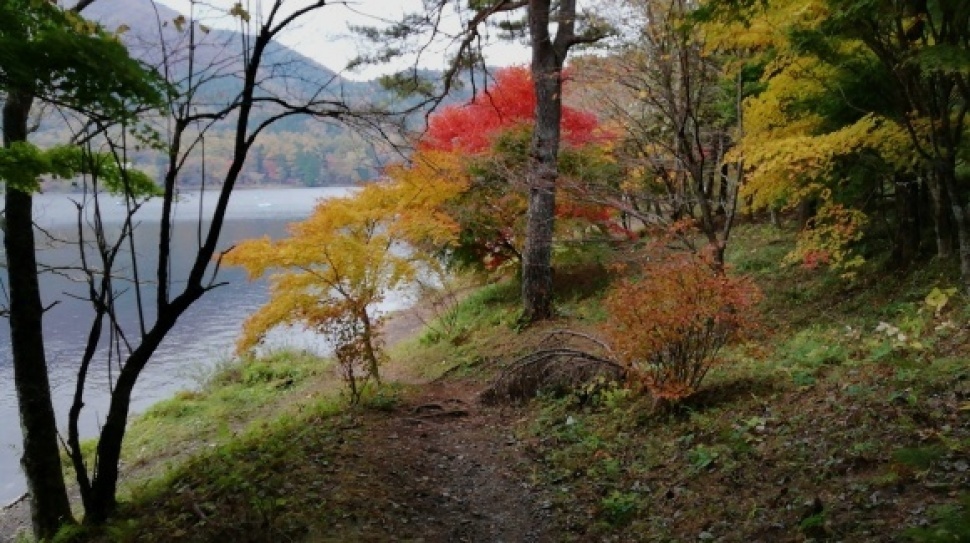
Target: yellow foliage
column 787, row 151
column 765, row 28
column 784, row 169
column 792, row 152
column 828, row 239
column 768, row 113
column 349, row 253
column 432, row 178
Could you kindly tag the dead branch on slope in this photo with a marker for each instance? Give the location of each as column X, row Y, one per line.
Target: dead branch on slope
column 564, row 360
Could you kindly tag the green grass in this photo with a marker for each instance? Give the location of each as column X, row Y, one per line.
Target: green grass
column 488, row 307
column 236, row 395
column 820, row 404
column 265, row 484
column 825, row 425
column 465, row 338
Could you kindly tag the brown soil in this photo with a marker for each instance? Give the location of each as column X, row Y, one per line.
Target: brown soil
column 440, row 468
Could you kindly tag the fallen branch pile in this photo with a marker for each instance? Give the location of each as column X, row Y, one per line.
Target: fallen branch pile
column 565, row 360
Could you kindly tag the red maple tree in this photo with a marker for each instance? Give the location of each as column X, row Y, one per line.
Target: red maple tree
column 511, row 101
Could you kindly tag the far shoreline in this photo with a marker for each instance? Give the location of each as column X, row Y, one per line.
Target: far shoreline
column 54, row 187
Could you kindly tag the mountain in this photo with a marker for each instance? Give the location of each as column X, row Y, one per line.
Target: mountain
column 218, row 52
column 295, row 150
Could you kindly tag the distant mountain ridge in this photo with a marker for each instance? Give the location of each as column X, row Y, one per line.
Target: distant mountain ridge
column 144, row 19
column 295, row 151
column 149, row 24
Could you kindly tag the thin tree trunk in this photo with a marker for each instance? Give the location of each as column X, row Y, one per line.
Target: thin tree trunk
column 370, row 350
column 773, row 217
column 960, row 213
column 103, row 498
column 942, row 221
column 104, row 484
column 962, row 220
column 907, row 239
column 41, row 459
column 724, row 187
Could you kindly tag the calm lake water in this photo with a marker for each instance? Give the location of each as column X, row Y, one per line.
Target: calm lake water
column 203, row 337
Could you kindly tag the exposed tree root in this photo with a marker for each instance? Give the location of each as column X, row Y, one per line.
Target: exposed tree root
column 564, row 366
column 436, row 410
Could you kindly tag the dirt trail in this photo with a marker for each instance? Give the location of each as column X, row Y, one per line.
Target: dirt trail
column 448, row 468
column 443, row 468
column 440, row 468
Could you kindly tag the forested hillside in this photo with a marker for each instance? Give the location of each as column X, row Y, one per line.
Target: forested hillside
column 296, row 152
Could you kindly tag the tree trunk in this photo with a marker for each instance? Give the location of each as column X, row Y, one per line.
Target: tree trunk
column 807, row 208
column 942, row 221
column 101, row 503
column 773, row 217
column 41, row 461
column 962, row 220
column 724, row 188
column 370, row 349
column 960, row 213
column 104, row 483
column 547, row 63
column 907, row 239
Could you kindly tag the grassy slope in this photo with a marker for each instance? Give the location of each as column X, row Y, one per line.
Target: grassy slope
column 819, row 429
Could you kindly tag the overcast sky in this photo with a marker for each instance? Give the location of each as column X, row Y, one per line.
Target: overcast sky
column 323, row 35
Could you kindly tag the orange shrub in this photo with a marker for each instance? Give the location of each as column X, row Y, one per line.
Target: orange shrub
column 669, row 325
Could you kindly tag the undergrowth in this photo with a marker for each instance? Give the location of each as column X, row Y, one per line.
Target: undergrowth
column 843, row 417
column 233, row 397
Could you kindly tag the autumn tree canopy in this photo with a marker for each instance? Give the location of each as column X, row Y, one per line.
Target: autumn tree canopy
column 510, row 101
column 490, row 136
column 338, row 264
column 863, row 104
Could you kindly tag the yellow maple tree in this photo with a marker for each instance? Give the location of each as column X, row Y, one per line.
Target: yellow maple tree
column 338, row 264
column 796, row 151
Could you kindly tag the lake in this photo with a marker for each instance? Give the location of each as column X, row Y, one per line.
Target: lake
column 204, row 336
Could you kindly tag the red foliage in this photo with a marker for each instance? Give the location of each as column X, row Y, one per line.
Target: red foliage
column 600, row 216
column 669, row 326
column 575, row 209
column 510, row 101
column 816, row 258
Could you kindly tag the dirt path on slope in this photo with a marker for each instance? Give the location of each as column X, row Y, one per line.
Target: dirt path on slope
column 447, row 468
column 441, row 468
